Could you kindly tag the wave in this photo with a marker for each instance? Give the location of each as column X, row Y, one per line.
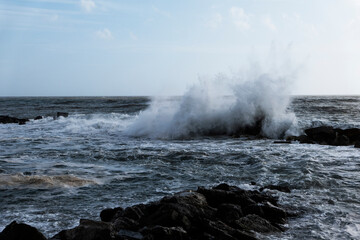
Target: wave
column 26, row 181
column 256, row 106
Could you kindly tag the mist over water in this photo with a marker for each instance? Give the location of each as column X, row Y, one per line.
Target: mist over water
column 221, row 106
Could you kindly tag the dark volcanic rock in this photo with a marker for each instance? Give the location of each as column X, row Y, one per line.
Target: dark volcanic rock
column 222, row 212
column 87, row 230
column 327, row 135
column 20, row 231
column 7, row 119
column 108, row 214
column 38, row 118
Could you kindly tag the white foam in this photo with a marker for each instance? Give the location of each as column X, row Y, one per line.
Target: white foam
column 222, row 105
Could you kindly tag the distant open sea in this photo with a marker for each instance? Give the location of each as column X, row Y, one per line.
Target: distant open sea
column 120, row 151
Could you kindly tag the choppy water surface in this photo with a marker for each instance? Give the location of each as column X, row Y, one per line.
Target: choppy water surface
column 54, row 172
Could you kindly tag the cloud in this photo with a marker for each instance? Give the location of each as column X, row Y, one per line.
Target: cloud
column 240, row 18
column 133, row 36
column 215, row 21
column 104, row 34
column 87, row 5
column 269, row 24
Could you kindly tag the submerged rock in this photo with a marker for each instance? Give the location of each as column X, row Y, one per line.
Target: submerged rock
column 7, row 119
column 20, row 231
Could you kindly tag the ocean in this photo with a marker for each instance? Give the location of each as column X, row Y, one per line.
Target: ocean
column 120, row 151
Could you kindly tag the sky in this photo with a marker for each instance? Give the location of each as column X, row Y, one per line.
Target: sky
column 161, row 47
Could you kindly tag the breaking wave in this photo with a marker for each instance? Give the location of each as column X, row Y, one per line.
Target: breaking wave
column 224, row 106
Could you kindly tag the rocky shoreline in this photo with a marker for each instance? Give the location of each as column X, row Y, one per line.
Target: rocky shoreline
column 221, row 212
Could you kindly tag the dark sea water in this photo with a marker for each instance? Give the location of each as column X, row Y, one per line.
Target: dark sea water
column 119, row 151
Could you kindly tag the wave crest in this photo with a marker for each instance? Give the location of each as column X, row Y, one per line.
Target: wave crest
column 257, row 107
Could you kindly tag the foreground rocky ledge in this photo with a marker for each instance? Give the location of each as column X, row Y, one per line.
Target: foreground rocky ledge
column 222, row 212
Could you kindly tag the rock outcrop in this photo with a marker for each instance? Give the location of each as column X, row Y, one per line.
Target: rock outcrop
column 20, row 231
column 223, row 212
column 7, row 119
column 328, row 135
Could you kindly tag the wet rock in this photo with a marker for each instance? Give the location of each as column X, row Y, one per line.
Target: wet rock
column 7, row 119
column 20, row 231
column 221, row 212
column 165, row 233
column 301, row 139
column 328, row 135
column 87, row 230
column 322, row 135
column 108, row 214
column 127, row 234
column 256, row 223
column 61, row 114
column 38, row 118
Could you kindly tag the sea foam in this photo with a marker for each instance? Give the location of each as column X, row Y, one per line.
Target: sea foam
column 222, row 106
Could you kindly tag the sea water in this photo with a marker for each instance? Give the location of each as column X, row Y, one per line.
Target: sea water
column 120, row 151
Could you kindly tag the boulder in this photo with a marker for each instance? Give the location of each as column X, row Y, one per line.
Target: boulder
column 7, row 119
column 38, row 118
column 87, row 230
column 20, row 231
column 108, row 214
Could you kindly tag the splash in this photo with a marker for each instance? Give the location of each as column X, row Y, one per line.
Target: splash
column 252, row 104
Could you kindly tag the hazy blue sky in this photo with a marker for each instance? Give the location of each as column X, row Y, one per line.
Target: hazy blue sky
column 128, row 47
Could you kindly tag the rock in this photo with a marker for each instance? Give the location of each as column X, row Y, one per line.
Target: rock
column 221, row 212
column 61, row 114
column 328, row 135
column 341, row 140
column 20, row 231
column 353, row 134
column 7, row 119
column 38, row 118
column 87, row 230
column 256, row 223
column 322, row 135
column 164, row 233
column 127, row 234
column 108, row 214
column 357, row 144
